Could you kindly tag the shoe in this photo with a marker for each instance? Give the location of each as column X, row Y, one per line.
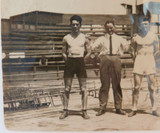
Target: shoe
column 155, row 113
column 132, row 113
column 100, row 112
column 64, row 114
column 120, row 111
column 84, row 114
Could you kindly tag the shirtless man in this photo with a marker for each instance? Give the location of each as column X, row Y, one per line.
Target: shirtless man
column 144, row 65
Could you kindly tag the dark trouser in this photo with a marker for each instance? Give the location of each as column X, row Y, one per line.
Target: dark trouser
column 110, row 71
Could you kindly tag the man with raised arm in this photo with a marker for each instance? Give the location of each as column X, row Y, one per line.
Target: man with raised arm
column 145, row 63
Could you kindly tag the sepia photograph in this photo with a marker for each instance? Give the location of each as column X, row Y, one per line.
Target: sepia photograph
column 80, row 66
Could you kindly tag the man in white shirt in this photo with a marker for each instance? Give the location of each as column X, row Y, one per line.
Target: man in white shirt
column 145, row 64
column 111, row 46
column 75, row 48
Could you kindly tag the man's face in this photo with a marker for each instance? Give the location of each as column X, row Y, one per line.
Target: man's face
column 145, row 25
column 110, row 28
column 75, row 26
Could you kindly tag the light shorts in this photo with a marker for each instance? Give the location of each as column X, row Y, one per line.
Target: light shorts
column 144, row 64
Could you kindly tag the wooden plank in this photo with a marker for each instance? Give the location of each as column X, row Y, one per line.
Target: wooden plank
column 68, row 31
column 30, row 34
column 35, row 79
column 25, row 47
column 53, row 28
column 40, row 42
column 40, row 56
column 126, row 56
column 31, row 74
column 31, row 63
column 37, row 52
column 28, row 38
column 44, row 31
column 127, row 61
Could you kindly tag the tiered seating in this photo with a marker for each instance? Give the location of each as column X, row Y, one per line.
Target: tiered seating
column 25, row 48
column 31, row 55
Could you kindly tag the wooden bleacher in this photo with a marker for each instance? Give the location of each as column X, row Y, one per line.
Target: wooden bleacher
column 25, row 49
column 45, row 41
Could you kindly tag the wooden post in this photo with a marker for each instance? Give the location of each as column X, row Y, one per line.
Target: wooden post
column 23, row 22
column 36, row 21
column 58, row 72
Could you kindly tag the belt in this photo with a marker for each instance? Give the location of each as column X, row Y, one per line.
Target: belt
column 109, row 55
column 145, row 53
column 112, row 54
column 75, row 57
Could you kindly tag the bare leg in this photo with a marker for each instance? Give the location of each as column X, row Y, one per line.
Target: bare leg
column 152, row 91
column 82, row 83
column 135, row 94
column 68, row 83
column 137, row 82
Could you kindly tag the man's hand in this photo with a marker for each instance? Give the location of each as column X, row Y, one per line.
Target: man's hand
column 64, row 57
column 134, row 37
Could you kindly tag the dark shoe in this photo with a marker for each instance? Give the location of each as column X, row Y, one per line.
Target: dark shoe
column 100, row 112
column 121, row 112
column 84, row 114
column 132, row 113
column 155, row 113
column 64, row 114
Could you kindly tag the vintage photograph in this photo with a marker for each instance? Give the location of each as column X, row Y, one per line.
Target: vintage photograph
column 80, row 65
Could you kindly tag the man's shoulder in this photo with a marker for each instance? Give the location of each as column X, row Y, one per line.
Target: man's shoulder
column 83, row 35
column 66, row 36
column 101, row 38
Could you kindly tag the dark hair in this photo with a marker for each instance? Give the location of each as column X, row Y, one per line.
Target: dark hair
column 147, row 16
column 76, row 17
column 146, row 19
column 107, row 22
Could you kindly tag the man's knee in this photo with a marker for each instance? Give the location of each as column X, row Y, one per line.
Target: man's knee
column 152, row 87
column 83, row 89
column 136, row 90
column 67, row 89
column 104, row 87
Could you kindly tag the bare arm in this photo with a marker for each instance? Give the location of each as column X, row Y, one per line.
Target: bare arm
column 125, row 44
column 64, row 50
column 87, row 48
column 156, row 46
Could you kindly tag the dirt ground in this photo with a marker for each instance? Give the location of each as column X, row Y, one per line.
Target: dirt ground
column 47, row 118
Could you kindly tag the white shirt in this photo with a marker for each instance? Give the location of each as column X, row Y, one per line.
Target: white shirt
column 103, row 44
column 76, row 46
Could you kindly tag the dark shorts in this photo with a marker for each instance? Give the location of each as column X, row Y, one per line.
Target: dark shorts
column 75, row 66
